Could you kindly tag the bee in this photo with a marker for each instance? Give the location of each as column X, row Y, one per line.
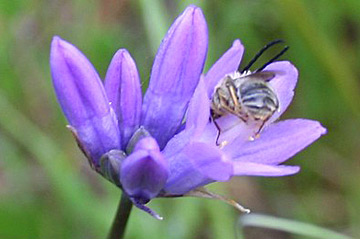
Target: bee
column 247, row 95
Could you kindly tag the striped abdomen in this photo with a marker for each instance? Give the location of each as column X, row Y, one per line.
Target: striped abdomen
column 258, row 99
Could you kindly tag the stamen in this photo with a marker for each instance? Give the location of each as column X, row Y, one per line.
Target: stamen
column 202, row 192
column 146, row 209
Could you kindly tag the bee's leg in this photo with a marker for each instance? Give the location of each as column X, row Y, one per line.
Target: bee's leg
column 243, row 117
column 257, row 134
column 218, row 132
column 212, row 118
column 232, row 91
column 237, row 110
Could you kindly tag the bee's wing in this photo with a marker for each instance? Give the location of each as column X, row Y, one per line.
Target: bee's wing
column 264, row 75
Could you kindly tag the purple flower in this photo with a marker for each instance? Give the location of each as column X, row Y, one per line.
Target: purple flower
column 241, row 155
column 164, row 144
column 122, row 134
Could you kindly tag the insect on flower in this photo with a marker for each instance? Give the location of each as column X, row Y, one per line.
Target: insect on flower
column 247, row 94
column 142, row 144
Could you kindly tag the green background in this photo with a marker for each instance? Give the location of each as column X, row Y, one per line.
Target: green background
column 47, row 189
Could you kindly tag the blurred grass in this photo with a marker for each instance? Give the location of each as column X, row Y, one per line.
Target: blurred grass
column 295, row 227
column 48, row 190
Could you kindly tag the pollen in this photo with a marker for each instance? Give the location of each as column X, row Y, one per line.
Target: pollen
column 254, row 137
column 223, row 144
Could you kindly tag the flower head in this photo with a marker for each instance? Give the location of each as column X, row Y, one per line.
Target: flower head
column 241, row 155
column 163, row 144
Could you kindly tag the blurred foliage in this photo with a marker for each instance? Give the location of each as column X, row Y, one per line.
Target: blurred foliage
column 300, row 228
column 47, row 190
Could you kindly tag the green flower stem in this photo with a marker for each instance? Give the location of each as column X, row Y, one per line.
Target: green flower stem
column 122, row 215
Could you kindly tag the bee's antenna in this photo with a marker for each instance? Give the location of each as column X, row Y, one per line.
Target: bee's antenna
column 267, row 46
column 273, row 59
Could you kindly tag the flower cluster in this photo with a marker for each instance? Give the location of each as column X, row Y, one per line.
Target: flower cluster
column 163, row 144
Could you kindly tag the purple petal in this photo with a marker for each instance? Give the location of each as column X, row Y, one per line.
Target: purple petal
column 277, row 143
column 76, row 83
column 145, row 171
column 83, row 100
column 284, row 84
column 256, row 169
column 209, row 160
column 228, row 63
column 199, row 110
column 198, row 164
column 175, row 74
column 231, row 128
column 177, row 143
column 122, row 85
column 196, row 122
